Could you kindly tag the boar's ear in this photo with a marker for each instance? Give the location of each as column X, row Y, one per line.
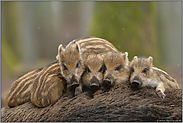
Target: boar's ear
column 60, row 50
column 135, row 57
column 126, row 56
column 150, row 59
column 57, row 57
column 126, row 59
column 78, row 48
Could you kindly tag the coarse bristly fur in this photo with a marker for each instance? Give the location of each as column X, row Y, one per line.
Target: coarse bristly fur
column 20, row 91
column 117, row 68
column 42, row 87
column 71, row 64
column 72, row 59
column 93, row 75
column 48, row 86
column 143, row 73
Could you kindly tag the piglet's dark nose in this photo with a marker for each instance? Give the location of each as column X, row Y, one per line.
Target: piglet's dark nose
column 74, row 82
column 108, row 80
column 94, row 82
column 136, row 82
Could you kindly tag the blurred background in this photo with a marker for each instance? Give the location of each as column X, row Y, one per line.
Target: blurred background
column 32, row 31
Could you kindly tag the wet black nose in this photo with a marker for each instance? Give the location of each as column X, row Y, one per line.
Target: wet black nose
column 94, row 82
column 74, row 82
column 136, row 82
column 108, row 80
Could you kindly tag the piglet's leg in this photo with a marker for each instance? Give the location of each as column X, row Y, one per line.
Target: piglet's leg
column 160, row 91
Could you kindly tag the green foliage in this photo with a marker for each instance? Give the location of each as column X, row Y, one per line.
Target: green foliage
column 9, row 60
column 129, row 26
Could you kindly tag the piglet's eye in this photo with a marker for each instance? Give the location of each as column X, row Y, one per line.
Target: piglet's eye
column 101, row 69
column 105, row 68
column 118, row 68
column 64, row 67
column 145, row 70
column 132, row 70
column 77, row 65
column 88, row 70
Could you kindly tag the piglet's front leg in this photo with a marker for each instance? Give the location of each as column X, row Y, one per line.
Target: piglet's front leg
column 160, row 91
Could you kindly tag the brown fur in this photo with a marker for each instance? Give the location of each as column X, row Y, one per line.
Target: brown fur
column 93, row 75
column 82, row 48
column 143, row 73
column 48, row 83
column 117, row 68
column 48, row 86
column 42, row 87
column 20, row 91
column 71, row 64
column 94, row 67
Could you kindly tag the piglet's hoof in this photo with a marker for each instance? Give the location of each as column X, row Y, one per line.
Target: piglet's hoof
column 161, row 94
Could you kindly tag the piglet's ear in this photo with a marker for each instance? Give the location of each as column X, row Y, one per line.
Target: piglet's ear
column 126, row 59
column 57, row 57
column 60, row 50
column 135, row 57
column 126, row 56
column 150, row 60
column 78, row 48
